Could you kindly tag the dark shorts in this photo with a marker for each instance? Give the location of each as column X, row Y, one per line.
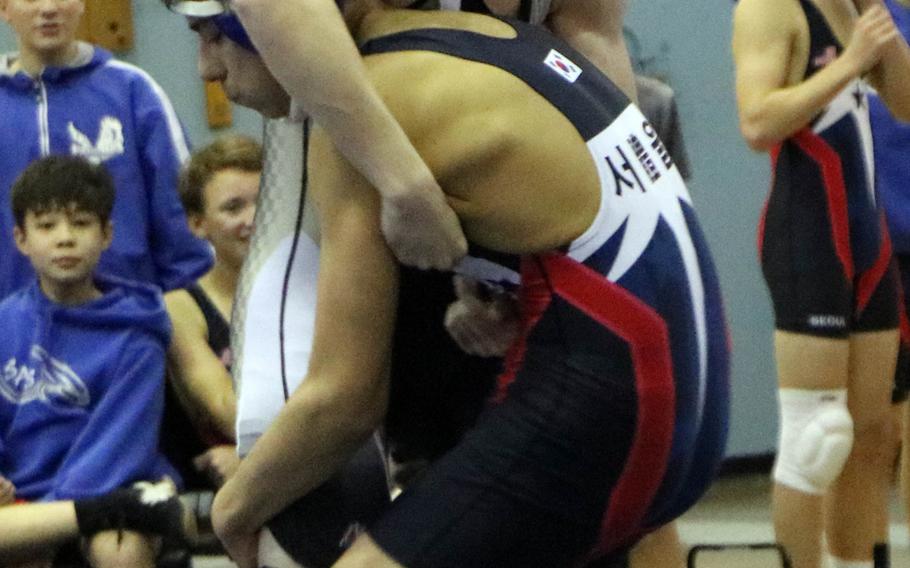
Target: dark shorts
column 527, row 487
column 316, row 529
column 902, row 372
column 824, row 252
column 437, row 390
column 575, row 455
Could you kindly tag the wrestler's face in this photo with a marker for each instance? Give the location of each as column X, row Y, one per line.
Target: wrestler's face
column 44, row 28
column 228, row 208
column 246, row 79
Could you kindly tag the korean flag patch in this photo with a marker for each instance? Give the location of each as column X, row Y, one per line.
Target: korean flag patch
column 562, row 65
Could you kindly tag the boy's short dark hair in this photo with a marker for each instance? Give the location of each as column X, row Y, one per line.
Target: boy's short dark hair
column 231, row 151
column 59, row 182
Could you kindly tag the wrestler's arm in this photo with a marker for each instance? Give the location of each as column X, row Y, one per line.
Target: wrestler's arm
column 891, row 77
column 343, row 397
column 308, row 49
column 765, row 35
column 595, row 28
column 198, row 375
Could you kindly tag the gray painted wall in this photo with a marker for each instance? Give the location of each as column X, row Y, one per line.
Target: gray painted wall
column 688, row 42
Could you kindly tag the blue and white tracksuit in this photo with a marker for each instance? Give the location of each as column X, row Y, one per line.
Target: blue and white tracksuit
column 115, row 114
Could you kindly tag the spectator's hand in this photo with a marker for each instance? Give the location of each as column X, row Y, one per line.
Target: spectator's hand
column 480, row 322
column 873, row 32
column 218, row 463
column 7, row 491
column 242, row 546
column 422, row 230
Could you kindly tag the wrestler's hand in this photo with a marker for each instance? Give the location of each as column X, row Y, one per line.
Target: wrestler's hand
column 422, row 230
column 7, row 491
column 873, row 33
column 218, row 463
column 241, row 544
column 481, row 322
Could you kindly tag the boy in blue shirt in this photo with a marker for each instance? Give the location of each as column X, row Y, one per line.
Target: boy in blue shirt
column 81, row 364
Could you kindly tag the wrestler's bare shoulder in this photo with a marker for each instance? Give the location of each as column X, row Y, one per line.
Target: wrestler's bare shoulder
column 481, row 131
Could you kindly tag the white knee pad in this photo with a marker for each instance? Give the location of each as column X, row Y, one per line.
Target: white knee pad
column 816, row 435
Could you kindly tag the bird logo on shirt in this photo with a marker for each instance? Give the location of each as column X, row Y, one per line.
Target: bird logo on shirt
column 108, row 145
column 42, row 378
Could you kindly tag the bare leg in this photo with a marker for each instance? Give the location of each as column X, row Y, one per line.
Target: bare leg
column 109, row 549
column 366, row 554
column 28, row 531
column 660, row 548
column 905, row 459
column 857, row 503
column 805, row 362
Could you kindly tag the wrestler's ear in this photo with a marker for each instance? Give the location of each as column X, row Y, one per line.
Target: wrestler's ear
column 196, row 222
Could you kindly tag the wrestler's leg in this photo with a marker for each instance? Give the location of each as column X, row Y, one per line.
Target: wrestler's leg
column 114, row 549
column 805, row 362
column 660, row 548
column 905, row 457
column 857, row 503
column 29, row 531
column 365, row 553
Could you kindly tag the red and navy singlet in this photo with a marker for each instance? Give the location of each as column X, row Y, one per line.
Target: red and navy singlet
column 824, row 247
column 611, row 417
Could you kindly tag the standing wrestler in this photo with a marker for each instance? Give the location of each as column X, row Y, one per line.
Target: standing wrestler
column 801, row 67
column 638, row 395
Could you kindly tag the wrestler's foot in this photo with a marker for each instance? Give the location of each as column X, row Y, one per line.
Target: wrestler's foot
column 422, row 230
column 148, row 508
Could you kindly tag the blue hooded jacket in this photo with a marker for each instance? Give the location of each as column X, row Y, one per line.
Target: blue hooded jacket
column 82, row 391
column 892, row 154
column 115, row 114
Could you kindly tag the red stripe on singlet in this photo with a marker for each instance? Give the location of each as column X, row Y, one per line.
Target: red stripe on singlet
column 836, row 191
column 535, row 296
column 870, row 279
column 649, row 345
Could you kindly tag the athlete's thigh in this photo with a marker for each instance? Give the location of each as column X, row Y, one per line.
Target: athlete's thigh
column 811, row 362
column 366, row 554
column 873, row 356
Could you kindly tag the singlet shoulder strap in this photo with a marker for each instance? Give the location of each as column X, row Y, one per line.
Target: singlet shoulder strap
column 219, row 329
column 821, row 36
column 535, row 56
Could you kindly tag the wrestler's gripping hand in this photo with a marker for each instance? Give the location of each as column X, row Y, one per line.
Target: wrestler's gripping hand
column 422, row 230
column 873, row 32
column 482, row 322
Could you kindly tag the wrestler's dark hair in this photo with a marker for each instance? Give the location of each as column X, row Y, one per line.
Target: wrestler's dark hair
column 62, row 182
column 231, row 151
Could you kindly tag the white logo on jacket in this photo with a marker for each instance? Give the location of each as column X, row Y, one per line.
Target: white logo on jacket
column 108, row 145
column 42, row 379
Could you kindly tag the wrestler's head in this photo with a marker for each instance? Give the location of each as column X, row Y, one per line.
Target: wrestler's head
column 227, row 55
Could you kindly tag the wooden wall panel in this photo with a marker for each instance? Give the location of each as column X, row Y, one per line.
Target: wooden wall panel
column 108, row 23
